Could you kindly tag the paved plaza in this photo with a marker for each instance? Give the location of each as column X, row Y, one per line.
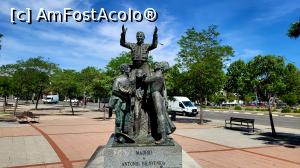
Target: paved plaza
column 62, row 140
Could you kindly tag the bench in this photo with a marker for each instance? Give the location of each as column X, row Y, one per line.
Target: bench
column 241, row 122
column 8, row 105
column 28, row 115
column 21, row 116
column 33, row 116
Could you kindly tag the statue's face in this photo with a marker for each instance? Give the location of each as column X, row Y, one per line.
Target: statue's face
column 139, row 73
column 140, row 37
column 125, row 68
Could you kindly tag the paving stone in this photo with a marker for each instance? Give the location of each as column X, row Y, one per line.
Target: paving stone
column 238, row 159
column 80, row 146
column 287, row 153
column 192, row 145
column 223, row 136
column 26, row 150
column 26, row 130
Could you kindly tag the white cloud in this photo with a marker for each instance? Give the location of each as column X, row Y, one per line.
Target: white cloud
column 82, row 44
column 247, row 53
column 278, row 10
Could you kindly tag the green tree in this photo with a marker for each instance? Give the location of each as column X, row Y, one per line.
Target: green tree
column 292, row 82
column 201, row 58
column 174, row 81
column 39, row 71
column 290, row 98
column 294, row 30
column 267, row 76
column 217, row 98
column 113, row 67
column 5, row 89
column 28, row 77
column 236, row 79
column 66, row 82
column 88, row 76
column 101, row 87
column 6, row 84
column 21, row 82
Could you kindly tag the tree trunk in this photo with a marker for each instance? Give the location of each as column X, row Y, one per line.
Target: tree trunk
column 32, row 98
column 256, row 99
column 99, row 103
column 4, row 104
column 201, row 112
column 16, row 105
column 71, row 105
column 271, row 117
column 38, row 98
column 104, row 111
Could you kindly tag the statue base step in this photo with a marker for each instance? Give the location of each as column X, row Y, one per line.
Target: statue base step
column 136, row 155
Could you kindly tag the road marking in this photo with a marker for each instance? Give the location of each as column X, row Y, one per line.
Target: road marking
column 247, row 113
column 275, row 115
column 225, row 111
column 259, row 114
column 235, row 112
column 288, row 116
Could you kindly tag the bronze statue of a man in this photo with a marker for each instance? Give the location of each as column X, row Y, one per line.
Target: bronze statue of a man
column 139, row 50
column 120, row 99
column 159, row 98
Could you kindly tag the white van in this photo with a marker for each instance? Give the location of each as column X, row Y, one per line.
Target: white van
column 51, row 99
column 182, row 105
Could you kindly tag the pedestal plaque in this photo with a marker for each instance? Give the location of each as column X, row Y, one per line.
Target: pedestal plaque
column 135, row 156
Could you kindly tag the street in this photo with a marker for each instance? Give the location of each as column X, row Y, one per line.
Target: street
column 281, row 121
column 288, row 122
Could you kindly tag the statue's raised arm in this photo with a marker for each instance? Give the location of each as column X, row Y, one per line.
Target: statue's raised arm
column 154, row 40
column 123, row 38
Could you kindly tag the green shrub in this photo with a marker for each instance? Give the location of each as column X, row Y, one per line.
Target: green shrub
column 218, row 107
column 290, row 98
column 296, row 110
column 237, row 108
column 249, row 109
column 286, row 110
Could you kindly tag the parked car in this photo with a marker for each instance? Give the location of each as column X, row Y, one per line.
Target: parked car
column 73, row 101
column 51, row 99
column 182, row 105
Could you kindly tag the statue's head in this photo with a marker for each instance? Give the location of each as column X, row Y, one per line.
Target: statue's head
column 139, row 73
column 125, row 68
column 163, row 66
column 140, row 36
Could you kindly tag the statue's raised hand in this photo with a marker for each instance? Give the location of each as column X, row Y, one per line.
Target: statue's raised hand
column 155, row 30
column 124, row 29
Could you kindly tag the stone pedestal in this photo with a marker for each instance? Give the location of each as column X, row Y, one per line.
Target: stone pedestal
column 137, row 155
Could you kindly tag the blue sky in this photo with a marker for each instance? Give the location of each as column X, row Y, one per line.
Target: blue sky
column 250, row 27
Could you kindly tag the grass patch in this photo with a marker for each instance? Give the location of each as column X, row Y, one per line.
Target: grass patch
column 218, row 107
column 286, row 110
column 237, row 108
column 296, row 111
